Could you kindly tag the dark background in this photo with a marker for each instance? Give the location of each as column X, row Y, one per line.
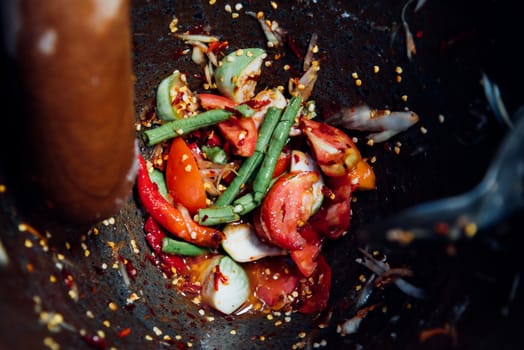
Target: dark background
column 456, row 42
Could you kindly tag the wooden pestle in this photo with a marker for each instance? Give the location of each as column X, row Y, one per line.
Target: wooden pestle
column 75, row 66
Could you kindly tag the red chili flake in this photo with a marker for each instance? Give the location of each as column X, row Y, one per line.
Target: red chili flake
column 197, row 29
column 213, row 139
column 219, row 277
column 124, row 332
column 68, row 278
column 235, row 111
column 293, row 46
column 131, row 270
column 441, row 228
column 419, row 34
column 178, row 98
column 217, row 46
column 178, row 53
column 190, row 288
column 257, row 104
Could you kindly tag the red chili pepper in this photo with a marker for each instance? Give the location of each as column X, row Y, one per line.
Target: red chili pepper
column 169, row 263
column 171, row 218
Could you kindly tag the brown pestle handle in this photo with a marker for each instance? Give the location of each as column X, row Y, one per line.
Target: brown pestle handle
column 76, row 71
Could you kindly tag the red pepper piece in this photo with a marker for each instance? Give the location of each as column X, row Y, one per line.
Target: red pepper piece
column 171, row 218
column 154, row 236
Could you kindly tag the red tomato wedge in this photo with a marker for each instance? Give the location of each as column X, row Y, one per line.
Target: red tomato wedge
column 305, row 258
column 273, row 280
column 212, row 101
column 283, row 210
column 183, row 178
column 314, row 292
column 283, row 162
column 334, row 151
column 241, row 134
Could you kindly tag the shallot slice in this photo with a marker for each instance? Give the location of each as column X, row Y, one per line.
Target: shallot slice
column 273, row 32
column 383, row 124
column 303, row 87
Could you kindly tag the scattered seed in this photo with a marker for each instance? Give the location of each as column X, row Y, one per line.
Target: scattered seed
column 113, row 306
column 157, row 331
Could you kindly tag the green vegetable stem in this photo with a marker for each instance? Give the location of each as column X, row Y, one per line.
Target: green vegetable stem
column 173, row 246
column 252, row 163
column 278, row 140
column 184, row 126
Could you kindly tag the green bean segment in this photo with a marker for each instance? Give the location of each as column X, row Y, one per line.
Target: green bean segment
column 172, row 246
column 251, row 164
column 184, row 126
column 217, row 215
column 278, row 140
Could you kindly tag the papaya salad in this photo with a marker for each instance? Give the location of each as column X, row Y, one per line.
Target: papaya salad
column 244, row 188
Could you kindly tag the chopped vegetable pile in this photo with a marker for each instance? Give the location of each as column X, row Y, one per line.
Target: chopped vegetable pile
column 245, row 186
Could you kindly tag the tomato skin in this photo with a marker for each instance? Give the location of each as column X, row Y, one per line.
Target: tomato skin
column 212, row 101
column 282, row 211
column 333, row 149
column 274, row 287
column 305, row 258
column 334, row 216
column 314, row 292
column 241, row 134
column 283, row 162
column 183, row 178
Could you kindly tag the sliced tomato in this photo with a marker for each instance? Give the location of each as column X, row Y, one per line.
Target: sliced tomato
column 273, row 280
column 305, row 258
column 332, row 220
column 183, row 178
column 286, row 207
column 314, row 291
column 241, row 134
column 363, row 175
column 333, row 149
column 212, row 101
column 283, row 162
column 334, row 216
